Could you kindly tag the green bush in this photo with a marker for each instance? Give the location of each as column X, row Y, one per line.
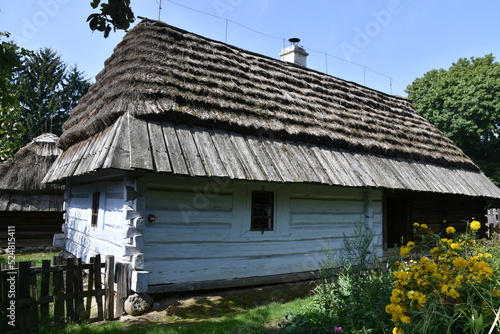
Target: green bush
column 352, row 298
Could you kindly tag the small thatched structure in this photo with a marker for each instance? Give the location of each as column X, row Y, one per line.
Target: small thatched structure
column 205, row 165
column 34, row 208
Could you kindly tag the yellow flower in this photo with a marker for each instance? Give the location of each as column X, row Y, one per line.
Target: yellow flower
column 403, row 251
column 460, row 263
column 435, row 251
column 405, row 319
column 475, row 225
column 397, row 330
column 424, row 226
column 455, row 246
column 450, row 230
column 416, row 224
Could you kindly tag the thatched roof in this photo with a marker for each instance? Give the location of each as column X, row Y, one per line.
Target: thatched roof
column 162, row 72
column 167, row 95
column 25, row 171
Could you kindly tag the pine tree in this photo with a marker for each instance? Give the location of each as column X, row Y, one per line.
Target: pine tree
column 48, row 90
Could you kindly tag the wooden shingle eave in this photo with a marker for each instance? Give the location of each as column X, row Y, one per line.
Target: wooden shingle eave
column 240, row 157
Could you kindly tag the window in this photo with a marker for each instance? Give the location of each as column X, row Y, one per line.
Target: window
column 262, row 211
column 95, row 208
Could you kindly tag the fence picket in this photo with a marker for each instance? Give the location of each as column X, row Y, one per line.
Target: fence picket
column 70, row 310
column 78, row 291
column 33, row 300
column 44, row 293
column 23, row 304
column 110, row 284
column 71, row 299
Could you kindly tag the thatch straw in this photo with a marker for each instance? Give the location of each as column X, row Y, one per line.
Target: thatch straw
column 164, row 73
column 25, row 171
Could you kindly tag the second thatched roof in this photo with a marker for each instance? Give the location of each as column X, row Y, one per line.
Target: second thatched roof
column 25, row 171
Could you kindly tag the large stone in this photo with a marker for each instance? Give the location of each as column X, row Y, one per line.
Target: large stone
column 138, row 303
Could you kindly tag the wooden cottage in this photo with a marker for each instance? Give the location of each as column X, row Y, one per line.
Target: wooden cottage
column 205, row 165
column 34, row 209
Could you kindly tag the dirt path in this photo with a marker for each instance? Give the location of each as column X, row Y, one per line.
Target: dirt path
column 201, row 306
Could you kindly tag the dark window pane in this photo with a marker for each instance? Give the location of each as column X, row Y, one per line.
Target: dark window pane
column 262, row 211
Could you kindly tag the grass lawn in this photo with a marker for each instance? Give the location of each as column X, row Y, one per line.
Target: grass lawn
column 261, row 319
column 35, row 256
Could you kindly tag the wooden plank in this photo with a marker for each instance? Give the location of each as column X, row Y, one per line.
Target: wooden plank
column 85, row 163
column 70, row 306
column 123, row 280
column 98, row 148
column 228, row 156
column 183, row 271
column 78, row 292
column 278, row 159
column 109, row 282
column 337, row 163
column 140, row 146
column 265, row 160
column 90, row 288
column 58, row 293
column 252, row 168
column 23, row 316
column 44, row 292
column 98, row 285
column 174, row 150
column 119, row 151
column 314, row 163
column 159, row 148
column 190, row 152
column 298, row 162
column 235, row 250
column 111, row 133
column 33, row 298
column 209, row 153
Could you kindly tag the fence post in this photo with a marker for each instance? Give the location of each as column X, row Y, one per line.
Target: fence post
column 110, row 288
column 122, row 288
column 98, row 285
column 44, row 293
column 24, row 303
column 70, row 303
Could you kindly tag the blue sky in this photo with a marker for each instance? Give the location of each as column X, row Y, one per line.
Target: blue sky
column 372, row 42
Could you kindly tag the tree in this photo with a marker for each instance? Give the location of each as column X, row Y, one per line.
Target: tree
column 464, row 103
column 116, row 14
column 11, row 129
column 47, row 92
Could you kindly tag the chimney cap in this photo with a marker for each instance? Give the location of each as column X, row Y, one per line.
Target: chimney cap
column 294, row 40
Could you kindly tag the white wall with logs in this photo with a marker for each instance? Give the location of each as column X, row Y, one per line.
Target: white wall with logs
column 202, row 231
column 118, row 227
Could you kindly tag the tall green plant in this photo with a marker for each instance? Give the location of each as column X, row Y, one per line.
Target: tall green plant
column 352, row 297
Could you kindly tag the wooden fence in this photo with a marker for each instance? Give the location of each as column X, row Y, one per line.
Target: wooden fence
column 66, row 291
column 493, row 216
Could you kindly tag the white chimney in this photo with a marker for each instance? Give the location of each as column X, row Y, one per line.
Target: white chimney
column 294, row 53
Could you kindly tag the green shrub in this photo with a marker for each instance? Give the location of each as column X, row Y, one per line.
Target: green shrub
column 352, row 298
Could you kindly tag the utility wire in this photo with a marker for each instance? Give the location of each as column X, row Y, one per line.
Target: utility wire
column 283, row 39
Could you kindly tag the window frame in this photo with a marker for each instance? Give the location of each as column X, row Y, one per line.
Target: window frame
column 94, row 218
column 271, row 214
